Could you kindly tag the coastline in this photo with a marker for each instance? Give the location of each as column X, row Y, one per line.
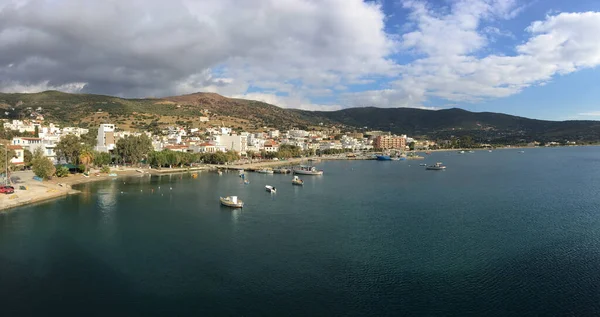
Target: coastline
column 38, row 192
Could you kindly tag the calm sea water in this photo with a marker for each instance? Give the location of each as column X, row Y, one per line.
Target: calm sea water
column 496, row 234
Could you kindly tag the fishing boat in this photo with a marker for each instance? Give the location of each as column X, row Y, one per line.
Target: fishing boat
column 297, row 181
column 265, row 171
column 383, row 157
column 231, row 201
column 307, row 170
column 270, row 189
column 436, row 167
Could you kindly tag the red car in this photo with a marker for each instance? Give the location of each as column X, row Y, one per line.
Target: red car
column 7, row 189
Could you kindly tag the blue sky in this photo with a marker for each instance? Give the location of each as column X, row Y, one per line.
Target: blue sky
column 536, row 59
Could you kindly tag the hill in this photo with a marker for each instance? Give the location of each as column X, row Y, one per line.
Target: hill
column 483, row 126
column 88, row 110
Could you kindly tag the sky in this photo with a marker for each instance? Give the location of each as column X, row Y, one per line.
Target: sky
column 536, row 59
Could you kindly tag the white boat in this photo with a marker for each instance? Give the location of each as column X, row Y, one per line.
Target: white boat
column 231, row 201
column 265, row 171
column 271, row 189
column 521, row 151
column 490, row 151
column 307, row 170
column 241, row 173
column 461, row 152
column 297, row 181
column 471, row 151
column 436, row 167
column 220, row 172
column 422, row 164
column 246, row 182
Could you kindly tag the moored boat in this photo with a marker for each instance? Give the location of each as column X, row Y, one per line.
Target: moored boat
column 270, row 189
column 297, row 181
column 436, row 167
column 307, row 170
column 265, row 171
column 231, row 201
column 383, row 157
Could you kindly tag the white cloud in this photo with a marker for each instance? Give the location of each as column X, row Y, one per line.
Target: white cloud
column 449, row 68
column 13, row 87
column 295, row 102
column 589, row 114
column 157, row 47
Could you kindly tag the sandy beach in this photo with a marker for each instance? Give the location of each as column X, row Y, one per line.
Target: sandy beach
column 60, row 187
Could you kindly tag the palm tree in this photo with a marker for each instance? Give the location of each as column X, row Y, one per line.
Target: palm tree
column 86, row 157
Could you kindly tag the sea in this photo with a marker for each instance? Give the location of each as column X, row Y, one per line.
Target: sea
column 495, row 234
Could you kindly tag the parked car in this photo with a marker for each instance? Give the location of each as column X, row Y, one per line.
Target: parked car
column 7, row 190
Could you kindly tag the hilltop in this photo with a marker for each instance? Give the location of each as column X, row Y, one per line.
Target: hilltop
column 88, row 110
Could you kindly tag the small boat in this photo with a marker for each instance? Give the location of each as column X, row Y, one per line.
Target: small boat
column 307, row 170
column 112, row 175
column 461, row 152
column 428, row 152
column 471, row 151
column 265, row 171
column 194, row 175
column 231, row 201
column 297, row 181
column 422, row 164
column 383, row 157
column 521, row 151
column 140, row 171
column 271, row 189
column 241, row 173
column 219, row 172
column 490, row 151
column 436, row 167
column 246, row 182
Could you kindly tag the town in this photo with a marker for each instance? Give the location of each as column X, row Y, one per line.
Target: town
column 34, row 135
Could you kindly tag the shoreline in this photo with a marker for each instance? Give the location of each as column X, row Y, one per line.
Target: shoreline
column 55, row 188
column 38, row 192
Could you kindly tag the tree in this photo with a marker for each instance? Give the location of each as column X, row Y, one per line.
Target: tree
column 3, row 156
column 68, row 148
column 27, row 157
column 132, row 149
column 101, row 158
column 36, row 132
column 41, row 165
column 156, row 158
column 411, row 145
column 172, row 158
column 86, row 157
column 105, row 169
column 90, row 138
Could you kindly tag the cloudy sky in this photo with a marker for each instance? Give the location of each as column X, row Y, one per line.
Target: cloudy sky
column 532, row 58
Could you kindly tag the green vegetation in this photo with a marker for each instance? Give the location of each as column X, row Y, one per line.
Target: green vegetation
column 3, row 156
column 41, row 165
column 61, row 171
column 27, row 158
column 105, row 169
column 101, row 158
column 132, row 149
column 69, row 148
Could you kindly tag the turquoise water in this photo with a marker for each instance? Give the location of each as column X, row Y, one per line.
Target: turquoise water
column 496, row 234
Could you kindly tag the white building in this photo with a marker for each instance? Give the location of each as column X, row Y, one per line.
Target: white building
column 273, row 134
column 234, row 142
column 32, row 144
column 74, row 130
column 106, row 138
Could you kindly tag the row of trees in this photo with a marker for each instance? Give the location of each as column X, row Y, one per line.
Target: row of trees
column 172, row 158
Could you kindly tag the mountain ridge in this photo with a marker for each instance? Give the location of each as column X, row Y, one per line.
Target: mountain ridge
column 243, row 114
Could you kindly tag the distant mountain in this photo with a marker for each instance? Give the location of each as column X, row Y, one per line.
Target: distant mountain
column 153, row 113
column 448, row 122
